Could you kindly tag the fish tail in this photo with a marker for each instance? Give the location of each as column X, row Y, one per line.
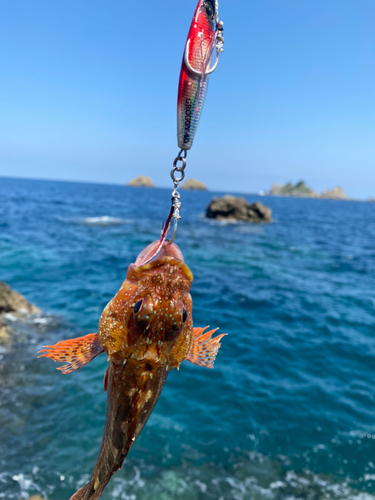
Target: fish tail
column 88, row 493
column 78, row 495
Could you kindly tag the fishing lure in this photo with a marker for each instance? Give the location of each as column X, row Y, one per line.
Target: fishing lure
column 206, row 32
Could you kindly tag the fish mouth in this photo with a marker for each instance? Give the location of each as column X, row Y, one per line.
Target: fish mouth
column 167, row 250
column 169, row 253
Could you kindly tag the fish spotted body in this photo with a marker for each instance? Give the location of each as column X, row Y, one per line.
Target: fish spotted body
column 146, row 331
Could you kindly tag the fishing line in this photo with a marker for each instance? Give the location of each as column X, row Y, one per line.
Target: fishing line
column 206, row 32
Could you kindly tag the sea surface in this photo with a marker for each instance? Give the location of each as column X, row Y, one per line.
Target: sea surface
column 289, row 410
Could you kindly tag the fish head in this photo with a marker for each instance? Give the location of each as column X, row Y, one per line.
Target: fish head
column 150, row 318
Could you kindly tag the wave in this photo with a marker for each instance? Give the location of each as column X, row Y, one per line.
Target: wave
column 103, row 221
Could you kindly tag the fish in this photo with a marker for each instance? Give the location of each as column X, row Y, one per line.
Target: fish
column 193, row 82
column 146, row 331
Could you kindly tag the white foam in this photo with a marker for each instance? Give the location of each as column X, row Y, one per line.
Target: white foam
column 104, row 220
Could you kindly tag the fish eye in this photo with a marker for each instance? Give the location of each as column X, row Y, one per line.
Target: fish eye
column 138, row 306
column 209, row 9
column 184, row 315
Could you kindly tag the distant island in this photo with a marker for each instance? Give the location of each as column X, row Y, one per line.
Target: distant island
column 302, row 191
column 194, row 185
column 141, row 181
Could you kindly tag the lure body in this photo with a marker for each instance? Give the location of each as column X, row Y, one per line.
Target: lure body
column 146, row 331
column 193, row 85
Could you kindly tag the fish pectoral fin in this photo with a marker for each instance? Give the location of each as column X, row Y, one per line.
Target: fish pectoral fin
column 204, row 349
column 75, row 352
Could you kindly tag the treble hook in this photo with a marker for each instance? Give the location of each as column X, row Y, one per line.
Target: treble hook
column 219, row 50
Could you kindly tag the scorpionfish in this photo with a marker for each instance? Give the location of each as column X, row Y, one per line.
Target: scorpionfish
column 146, row 330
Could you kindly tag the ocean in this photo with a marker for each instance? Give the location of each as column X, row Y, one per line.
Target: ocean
column 289, row 410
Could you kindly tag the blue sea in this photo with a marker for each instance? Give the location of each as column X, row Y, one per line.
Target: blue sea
column 289, row 410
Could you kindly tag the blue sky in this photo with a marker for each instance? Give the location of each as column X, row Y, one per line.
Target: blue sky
column 88, row 92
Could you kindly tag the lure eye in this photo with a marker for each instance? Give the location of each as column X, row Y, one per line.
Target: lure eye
column 138, row 306
column 209, row 9
column 184, row 315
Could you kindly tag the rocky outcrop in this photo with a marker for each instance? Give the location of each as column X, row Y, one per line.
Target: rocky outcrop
column 194, row 185
column 141, row 181
column 334, row 194
column 16, row 304
column 299, row 190
column 36, row 497
column 236, row 208
column 371, row 199
column 6, row 332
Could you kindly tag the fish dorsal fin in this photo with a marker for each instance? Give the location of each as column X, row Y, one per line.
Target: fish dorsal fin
column 204, row 349
column 75, row 352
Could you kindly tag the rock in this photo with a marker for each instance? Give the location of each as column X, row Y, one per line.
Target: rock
column 371, row 199
column 299, row 190
column 14, row 302
column 141, row 181
column 236, row 208
column 334, row 194
column 195, row 185
column 36, row 497
column 6, row 332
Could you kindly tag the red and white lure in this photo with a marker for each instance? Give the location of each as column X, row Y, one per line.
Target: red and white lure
column 206, row 32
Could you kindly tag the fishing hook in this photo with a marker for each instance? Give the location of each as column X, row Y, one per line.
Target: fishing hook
column 219, row 50
column 175, row 202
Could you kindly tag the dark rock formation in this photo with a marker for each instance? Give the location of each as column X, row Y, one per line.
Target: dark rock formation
column 141, row 181
column 195, row 185
column 236, row 208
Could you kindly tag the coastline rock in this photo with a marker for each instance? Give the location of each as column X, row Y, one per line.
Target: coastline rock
column 36, row 497
column 14, row 302
column 299, row 190
column 141, row 181
column 334, row 194
column 195, row 185
column 6, row 332
column 371, row 199
column 236, row 208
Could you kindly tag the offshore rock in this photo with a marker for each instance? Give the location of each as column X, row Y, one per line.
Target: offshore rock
column 299, row 190
column 371, row 199
column 141, row 181
column 194, row 185
column 334, row 194
column 236, row 208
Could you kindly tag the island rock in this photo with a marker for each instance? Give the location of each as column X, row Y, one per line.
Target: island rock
column 299, row 190
column 194, row 185
column 141, row 181
column 371, row 199
column 236, row 208
column 334, row 194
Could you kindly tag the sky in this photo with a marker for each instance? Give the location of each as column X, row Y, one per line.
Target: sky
column 88, row 93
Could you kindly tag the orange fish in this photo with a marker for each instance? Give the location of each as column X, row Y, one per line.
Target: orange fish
column 146, row 331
